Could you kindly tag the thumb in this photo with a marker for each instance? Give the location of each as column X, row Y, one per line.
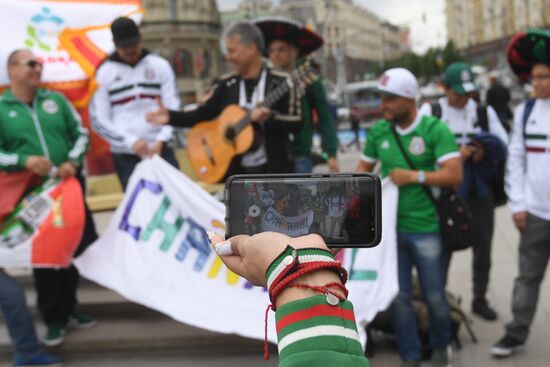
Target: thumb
column 233, row 246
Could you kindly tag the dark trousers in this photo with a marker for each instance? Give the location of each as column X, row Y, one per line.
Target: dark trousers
column 483, row 213
column 126, row 163
column 534, row 252
column 56, row 288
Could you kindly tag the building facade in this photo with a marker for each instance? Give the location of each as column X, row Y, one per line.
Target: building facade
column 187, row 34
column 355, row 39
column 476, row 22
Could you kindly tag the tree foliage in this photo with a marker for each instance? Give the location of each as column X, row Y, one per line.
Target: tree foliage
column 429, row 65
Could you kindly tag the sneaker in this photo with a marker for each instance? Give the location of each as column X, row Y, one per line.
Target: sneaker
column 442, row 357
column 483, row 310
column 410, row 364
column 55, row 335
column 42, row 359
column 506, row 346
column 81, row 321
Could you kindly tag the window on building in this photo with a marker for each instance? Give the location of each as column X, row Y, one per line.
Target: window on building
column 182, row 63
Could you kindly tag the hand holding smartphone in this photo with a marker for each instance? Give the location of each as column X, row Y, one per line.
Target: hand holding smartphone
column 344, row 209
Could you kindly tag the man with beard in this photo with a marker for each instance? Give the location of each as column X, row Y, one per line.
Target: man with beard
column 429, row 143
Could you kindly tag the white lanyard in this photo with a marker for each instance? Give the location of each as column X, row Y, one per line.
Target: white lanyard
column 257, row 95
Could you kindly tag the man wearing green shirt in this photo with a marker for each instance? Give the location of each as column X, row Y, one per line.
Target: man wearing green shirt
column 432, row 148
column 41, row 132
column 287, row 40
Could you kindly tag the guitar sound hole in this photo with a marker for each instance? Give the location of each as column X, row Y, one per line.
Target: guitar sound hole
column 230, row 133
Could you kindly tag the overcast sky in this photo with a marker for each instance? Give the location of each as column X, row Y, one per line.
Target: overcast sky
column 426, row 31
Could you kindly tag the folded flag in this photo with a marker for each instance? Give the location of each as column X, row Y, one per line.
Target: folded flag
column 45, row 228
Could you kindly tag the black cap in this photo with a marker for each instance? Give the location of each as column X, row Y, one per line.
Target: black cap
column 125, row 32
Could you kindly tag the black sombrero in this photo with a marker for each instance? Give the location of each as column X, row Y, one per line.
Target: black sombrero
column 526, row 49
column 291, row 31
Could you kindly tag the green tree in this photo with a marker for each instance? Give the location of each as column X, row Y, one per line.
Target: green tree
column 428, row 65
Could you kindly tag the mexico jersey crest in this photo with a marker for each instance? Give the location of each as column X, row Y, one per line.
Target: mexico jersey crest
column 417, row 146
column 50, row 106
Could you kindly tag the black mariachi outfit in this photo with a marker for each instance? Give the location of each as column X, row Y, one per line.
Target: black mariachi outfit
column 286, row 117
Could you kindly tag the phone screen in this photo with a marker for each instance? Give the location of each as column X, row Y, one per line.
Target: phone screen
column 343, row 209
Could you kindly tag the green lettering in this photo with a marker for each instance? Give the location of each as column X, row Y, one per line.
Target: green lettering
column 170, row 229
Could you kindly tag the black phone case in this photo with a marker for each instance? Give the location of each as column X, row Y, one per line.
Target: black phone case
column 377, row 204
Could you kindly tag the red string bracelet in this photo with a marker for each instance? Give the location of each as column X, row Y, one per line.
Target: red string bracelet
column 277, row 288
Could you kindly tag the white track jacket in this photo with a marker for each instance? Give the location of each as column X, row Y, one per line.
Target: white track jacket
column 125, row 94
column 528, row 167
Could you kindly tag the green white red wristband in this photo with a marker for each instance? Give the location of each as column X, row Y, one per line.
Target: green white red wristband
column 313, row 325
column 292, row 264
column 289, row 259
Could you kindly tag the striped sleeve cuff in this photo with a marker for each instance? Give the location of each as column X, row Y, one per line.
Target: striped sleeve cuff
column 368, row 159
column 446, row 157
column 11, row 160
column 313, row 325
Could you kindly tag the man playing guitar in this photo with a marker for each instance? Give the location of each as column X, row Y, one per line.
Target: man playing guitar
column 251, row 82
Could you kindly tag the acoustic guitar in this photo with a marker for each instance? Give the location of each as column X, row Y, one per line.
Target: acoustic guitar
column 212, row 145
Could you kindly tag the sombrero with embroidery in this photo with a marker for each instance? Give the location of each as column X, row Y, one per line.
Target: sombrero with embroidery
column 291, row 31
column 526, row 49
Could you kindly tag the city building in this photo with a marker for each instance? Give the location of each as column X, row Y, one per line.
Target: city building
column 187, row 34
column 482, row 28
column 356, row 40
column 247, row 10
column 473, row 22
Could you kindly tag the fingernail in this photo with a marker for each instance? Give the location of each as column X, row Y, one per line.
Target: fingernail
column 210, row 233
column 224, row 248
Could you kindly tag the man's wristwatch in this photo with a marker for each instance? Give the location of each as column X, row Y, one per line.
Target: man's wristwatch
column 421, row 177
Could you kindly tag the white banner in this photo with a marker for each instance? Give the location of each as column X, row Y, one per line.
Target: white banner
column 155, row 252
column 373, row 280
column 292, row 226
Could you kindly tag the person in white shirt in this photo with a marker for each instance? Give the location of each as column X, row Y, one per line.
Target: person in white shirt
column 467, row 119
column 528, row 183
column 131, row 82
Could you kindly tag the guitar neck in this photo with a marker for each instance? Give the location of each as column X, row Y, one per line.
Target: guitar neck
column 272, row 98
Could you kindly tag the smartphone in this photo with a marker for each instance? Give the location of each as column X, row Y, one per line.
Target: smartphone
column 345, row 209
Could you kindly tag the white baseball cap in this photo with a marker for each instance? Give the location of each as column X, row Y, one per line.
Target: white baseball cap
column 398, row 82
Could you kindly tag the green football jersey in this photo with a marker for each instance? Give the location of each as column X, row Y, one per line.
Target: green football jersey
column 428, row 141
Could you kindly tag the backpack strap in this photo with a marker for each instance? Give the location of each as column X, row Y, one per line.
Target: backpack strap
column 482, row 118
column 436, row 109
column 529, row 105
column 411, row 164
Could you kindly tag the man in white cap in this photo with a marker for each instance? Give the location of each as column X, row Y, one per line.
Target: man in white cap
column 431, row 147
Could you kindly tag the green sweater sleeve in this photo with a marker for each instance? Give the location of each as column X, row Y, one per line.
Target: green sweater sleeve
column 10, row 161
column 311, row 332
column 327, row 126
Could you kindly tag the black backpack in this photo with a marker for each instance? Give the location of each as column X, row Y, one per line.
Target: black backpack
column 495, row 183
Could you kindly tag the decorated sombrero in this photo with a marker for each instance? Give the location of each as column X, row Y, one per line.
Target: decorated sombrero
column 291, row 31
column 526, row 49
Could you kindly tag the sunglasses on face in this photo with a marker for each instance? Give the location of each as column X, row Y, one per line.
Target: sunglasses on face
column 31, row 64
